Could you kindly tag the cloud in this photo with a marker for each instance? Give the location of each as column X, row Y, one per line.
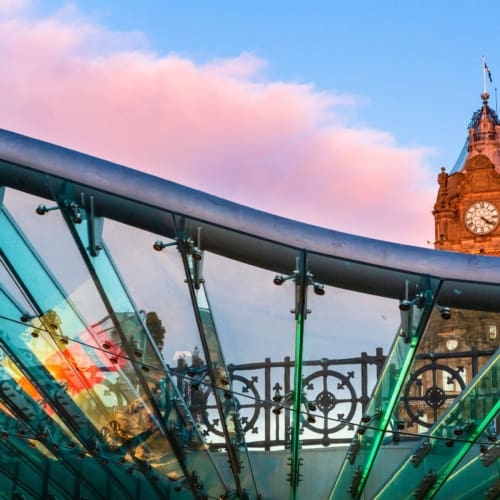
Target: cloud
column 245, row 65
column 11, row 6
column 219, row 126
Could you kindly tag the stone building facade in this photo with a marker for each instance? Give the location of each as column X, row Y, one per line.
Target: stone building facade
column 467, row 219
column 467, row 207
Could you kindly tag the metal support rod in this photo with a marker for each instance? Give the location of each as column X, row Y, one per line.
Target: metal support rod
column 301, row 283
column 215, row 361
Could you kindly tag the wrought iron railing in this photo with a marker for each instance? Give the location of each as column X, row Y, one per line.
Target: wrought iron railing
column 336, row 392
column 436, row 381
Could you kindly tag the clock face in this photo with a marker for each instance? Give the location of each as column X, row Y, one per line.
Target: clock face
column 481, row 217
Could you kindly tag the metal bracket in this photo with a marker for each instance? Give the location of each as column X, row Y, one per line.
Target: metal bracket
column 353, row 449
column 355, row 481
column 425, row 485
column 422, row 451
column 95, row 226
column 408, row 306
column 491, row 455
column 294, row 476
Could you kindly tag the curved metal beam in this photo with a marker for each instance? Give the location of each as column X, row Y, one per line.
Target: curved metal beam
column 242, row 233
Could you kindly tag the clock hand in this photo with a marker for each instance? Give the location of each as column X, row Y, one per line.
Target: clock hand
column 486, row 220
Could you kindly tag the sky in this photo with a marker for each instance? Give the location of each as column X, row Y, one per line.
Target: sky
column 339, row 114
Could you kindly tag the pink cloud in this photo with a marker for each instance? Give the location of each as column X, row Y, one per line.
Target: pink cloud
column 220, row 127
column 10, row 6
column 245, row 65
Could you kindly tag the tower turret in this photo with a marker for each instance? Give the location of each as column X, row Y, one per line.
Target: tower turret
column 484, row 134
column 467, row 208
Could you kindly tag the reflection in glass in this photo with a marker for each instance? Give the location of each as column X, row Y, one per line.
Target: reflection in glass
column 445, row 445
column 452, row 351
column 96, row 365
column 381, row 413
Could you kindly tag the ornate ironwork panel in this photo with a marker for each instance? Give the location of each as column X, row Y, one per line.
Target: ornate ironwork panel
column 436, row 381
column 336, row 392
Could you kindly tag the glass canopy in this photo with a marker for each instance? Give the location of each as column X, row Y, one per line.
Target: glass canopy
column 148, row 352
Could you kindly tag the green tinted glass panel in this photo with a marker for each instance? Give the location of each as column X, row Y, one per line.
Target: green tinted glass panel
column 32, row 393
column 475, row 479
column 450, row 439
column 362, row 454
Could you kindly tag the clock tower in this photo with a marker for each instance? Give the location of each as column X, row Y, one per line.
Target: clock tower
column 467, row 208
column 467, row 219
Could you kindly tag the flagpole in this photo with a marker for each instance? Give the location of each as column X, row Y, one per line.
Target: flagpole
column 484, row 75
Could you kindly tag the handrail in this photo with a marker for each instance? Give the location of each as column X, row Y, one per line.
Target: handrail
column 242, row 233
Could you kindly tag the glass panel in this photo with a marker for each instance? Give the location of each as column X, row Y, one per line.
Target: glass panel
column 167, row 289
column 416, row 306
column 26, row 475
column 450, row 438
column 337, row 377
column 456, row 344
column 16, row 442
column 38, row 472
column 54, row 440
column 34, row 394
column 256, row 332
column 56, row 249
column 217, row 370
column 100, row 377
column 347, row 334
column 156, row 281
column 136, row 340
column 476, row 479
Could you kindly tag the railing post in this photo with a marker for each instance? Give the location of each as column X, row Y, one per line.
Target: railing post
column 380, row 360
column 364, row 381
column 267, row 397
column 474, row 357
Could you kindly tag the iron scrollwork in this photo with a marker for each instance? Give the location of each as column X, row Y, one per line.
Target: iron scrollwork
column 326, row 399
column 335, row 392
column 332, row 397
column 248, row 406
column 426, row 399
